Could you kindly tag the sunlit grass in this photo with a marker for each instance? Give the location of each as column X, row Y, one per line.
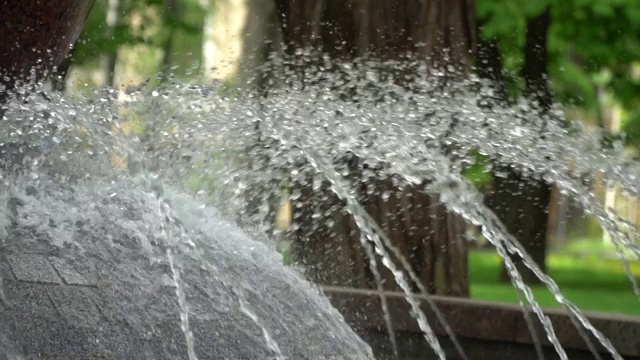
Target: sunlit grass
column 591, row 282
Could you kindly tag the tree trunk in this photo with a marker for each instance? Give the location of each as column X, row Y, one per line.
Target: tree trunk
column 114, row 15
column 326, row 238
column 35, row 39
column 239, row 37
column 489, row 67
column 441, row 32
column 171, row 15
column 523, row 204
column 535, row 61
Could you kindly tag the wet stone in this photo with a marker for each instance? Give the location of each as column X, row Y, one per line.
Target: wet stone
column 74, row 274
column 27, row 300
column 247, row 339
column 167, row 281
column 33, row 268
column 29, row 240
column 5, row 270
column 75, row 304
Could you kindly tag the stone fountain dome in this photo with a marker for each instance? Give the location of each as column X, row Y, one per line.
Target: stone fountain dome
column 83, row 276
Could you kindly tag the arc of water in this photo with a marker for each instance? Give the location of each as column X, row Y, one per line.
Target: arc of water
column 563, row 301
column 590, row 203
column 114, row 141
column 416, row 181
column 495, row 232
column 444, row 187
column 543, row 318
column 499, row 141
column 362, row 220
column 478, row 217
column 184, row 307
column 373, row 266
column 152, row 183
column 519, row 283
column 559, row 146
column 572, row 309
column 271, row 343
column 529, row 321
column 558, row 173
column 365, row 222
column 171, row 242
column 515, row 244
column 517, row 280
column 559, row 177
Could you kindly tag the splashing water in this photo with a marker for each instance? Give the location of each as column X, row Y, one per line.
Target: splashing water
column 86, row 167
column 265, row 333
column 128, row 261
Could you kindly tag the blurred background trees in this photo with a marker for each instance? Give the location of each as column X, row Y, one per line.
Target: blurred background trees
column 592, row 47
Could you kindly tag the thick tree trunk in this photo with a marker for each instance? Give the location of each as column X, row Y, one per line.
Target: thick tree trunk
column 29, row 31
column 239, row 37
column 489, row 67
column 521, row 204
column 441, row 31
column 535, row 61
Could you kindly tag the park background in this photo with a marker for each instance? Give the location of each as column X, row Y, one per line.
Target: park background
column 590, row 50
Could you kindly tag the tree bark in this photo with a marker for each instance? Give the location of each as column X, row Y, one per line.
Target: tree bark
column 440, row 31
column 239, row 38
column 443, row 34
column 326, row 237
column 522, row 205
column 489, row 67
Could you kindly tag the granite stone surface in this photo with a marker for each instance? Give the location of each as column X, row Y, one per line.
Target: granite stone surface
column 102, row 299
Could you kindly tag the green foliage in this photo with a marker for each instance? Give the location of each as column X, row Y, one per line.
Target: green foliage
column 479, row 173
column 592, row 283
column 185, row 26
column 587, row 38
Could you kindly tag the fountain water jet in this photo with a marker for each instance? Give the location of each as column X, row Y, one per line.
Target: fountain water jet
column 63, row 204
column 307, row 120
column 111, row 282
column 208, row 141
